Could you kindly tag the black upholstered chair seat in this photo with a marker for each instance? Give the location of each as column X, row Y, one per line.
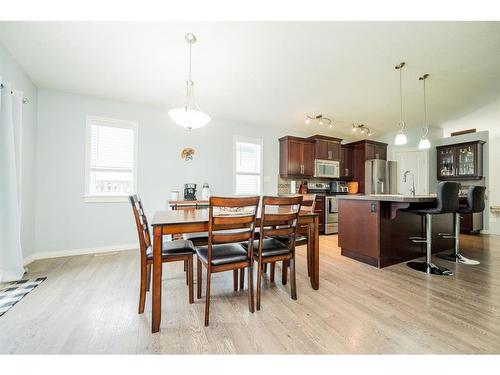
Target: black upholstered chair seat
column 299, row 240
column 177, row 247
column 425, row 210
column 223, row 253
column 198, row 238
column 270, row 247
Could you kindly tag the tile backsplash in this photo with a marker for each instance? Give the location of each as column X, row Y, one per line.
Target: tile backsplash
column 284, row 184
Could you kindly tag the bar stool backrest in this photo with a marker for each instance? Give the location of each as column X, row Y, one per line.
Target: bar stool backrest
column 447, row 197
column 475, row 199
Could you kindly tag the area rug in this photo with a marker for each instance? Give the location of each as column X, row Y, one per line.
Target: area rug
column 13, row 292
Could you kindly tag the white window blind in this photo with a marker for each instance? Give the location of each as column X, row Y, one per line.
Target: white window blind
column 111, row 158
column 248, row 166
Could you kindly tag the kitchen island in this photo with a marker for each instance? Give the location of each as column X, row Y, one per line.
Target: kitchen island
column 375, row 229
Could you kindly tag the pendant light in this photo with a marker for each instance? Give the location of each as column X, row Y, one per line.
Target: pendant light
column 190, row 115
column 401, row 137
column 424, row 141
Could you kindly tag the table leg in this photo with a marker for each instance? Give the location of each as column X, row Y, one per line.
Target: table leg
column 157, row 268
column 315, row 254
column 309, row 250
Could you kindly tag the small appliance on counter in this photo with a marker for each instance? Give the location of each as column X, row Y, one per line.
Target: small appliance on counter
column 205, row 192
column 352, row 187
column 338, row 187
column 190, row 192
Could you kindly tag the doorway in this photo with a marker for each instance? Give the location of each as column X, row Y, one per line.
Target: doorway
column 417, row 162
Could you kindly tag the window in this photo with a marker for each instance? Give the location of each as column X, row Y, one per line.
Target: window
column 111, row 160
column 247, row 166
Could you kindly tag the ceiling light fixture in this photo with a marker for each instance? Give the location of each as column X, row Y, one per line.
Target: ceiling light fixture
column 189, row 116
column 424, row 141
column 321, row 120
column 401, row 137
column 362, row 128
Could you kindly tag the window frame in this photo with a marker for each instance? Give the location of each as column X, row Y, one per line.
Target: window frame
column 258, row 141
column 110, row 122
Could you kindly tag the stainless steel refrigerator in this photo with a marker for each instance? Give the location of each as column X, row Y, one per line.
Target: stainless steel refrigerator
column 380, row 177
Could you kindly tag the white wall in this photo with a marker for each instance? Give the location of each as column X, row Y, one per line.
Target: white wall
column 65, row 222
column 413, row 136
column 11, row 72
column 486, row 118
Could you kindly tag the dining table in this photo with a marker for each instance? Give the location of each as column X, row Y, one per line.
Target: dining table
column 176, row 222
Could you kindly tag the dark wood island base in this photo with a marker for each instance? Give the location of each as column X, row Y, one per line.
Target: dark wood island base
column 375, row 230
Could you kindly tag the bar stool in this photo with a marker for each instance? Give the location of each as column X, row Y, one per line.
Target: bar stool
column 475, row 203
column 446, row 202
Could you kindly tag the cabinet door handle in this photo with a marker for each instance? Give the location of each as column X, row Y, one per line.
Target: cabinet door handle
column 329, row 154
column 347, row 171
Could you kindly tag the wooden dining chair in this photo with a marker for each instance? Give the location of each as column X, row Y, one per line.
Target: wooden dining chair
column 302, row 238
column 172, row 251
column 231, row 221
column 279, row 217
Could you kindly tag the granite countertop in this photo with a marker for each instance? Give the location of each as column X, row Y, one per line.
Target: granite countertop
column 390, row 198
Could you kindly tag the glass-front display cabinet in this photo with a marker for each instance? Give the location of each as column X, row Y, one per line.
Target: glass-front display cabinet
column 463, row 161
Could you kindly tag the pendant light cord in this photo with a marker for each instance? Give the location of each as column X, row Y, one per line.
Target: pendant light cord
column 425, row 112
column 189, row 82
column 190, row 46
column 426, row 125
column 401, row 95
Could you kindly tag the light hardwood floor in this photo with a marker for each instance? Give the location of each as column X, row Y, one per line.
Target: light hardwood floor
column 88, row 304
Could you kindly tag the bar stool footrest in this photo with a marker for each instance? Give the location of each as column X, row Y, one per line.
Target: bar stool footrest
column 429, row 268
column 447, row 236
column 417, row 239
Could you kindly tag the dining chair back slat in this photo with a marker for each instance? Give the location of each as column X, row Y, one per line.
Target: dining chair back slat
column 141, row 223
column 280, row 214
column 231, row 220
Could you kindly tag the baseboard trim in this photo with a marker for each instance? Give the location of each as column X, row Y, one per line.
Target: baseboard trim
column 66, row 253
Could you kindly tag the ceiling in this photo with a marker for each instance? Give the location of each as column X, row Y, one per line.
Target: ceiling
column 270, row 73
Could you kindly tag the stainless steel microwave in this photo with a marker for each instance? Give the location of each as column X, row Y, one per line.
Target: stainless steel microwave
column 326, row 168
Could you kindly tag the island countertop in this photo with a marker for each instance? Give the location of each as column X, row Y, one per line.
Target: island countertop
column 400, row 198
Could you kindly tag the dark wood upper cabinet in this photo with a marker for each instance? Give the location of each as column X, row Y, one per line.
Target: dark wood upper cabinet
column 308, row 159
column 326, row 148
column 346, row 162
column 375, row 151
column 361, row 152
column 461, row 161
column 296, row 157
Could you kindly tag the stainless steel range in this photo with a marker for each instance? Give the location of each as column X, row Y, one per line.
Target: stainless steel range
column 330, row 190
column 331, row 215
column 331, row 206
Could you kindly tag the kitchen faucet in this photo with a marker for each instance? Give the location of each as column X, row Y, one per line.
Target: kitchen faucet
column 412, row 186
